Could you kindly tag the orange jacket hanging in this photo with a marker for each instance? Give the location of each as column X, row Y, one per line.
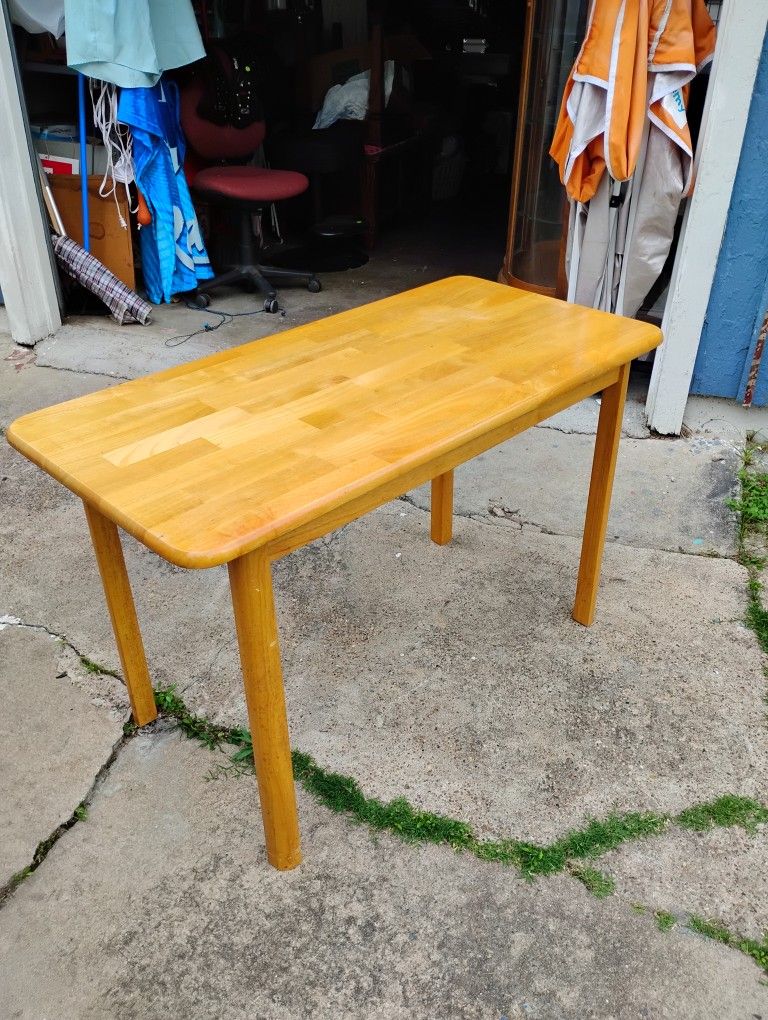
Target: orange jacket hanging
column 637, row 59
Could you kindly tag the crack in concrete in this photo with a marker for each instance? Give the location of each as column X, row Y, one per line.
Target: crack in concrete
column 83, row 371
column 492, row 520
column 578, row 432
column 7, row 621
column 45, row 846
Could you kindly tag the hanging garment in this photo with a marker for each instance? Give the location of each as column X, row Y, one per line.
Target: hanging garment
column 38, row 15
column 623, row 144
column 131, row 42
column 173, row 254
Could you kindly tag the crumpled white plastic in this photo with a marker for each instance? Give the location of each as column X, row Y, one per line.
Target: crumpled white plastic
column 350, row 100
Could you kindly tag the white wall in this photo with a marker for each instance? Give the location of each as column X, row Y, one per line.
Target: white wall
column 741, row 31
column 26, row 270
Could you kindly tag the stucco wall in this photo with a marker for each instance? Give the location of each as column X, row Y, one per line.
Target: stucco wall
column 736, row 303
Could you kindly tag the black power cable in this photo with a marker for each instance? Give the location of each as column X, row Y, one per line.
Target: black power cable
column 225, row 318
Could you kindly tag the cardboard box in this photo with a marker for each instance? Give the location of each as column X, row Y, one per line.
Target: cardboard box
column 110, row 243
column 59, row 164
column 59, row 152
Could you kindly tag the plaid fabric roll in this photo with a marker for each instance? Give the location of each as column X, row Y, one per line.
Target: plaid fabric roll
column 124, row 304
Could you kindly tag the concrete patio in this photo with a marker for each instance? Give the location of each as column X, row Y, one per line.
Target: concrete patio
column 453, row 677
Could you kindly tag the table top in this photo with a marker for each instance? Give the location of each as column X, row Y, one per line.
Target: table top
column 215, row 458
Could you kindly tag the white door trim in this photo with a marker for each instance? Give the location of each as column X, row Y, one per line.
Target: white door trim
column 741, row 31
column 26, row 271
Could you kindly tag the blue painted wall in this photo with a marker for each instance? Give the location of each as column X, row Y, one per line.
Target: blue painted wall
column 740, row 289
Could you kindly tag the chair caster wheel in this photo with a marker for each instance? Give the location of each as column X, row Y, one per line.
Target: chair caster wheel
column 200, row 300
column 271, row 305
column 314, row 286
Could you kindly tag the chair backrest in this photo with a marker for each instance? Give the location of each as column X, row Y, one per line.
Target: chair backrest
column 216, row 141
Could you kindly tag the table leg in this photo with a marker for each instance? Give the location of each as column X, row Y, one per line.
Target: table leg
column 250, row 580
column 441, row 529
column 122, row 612
column 599, row 501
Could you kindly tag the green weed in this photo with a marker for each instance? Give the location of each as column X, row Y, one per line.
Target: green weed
column 343, row 794
column 594, row 881
column 42, row 850
column 757, row 616
column 720, row 933
column 664, row 920
column 94, row 667
column 195, row 727
column 752, row 504
column 725, row 812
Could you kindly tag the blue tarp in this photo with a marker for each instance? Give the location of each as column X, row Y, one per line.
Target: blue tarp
column 173, row 254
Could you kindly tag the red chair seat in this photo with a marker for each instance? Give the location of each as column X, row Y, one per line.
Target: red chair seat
column 250, row 183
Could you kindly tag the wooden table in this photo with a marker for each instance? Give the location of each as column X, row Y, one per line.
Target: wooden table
column 245, row 455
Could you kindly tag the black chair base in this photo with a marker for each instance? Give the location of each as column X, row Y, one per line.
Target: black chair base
column 253, row 275
column 256, row 278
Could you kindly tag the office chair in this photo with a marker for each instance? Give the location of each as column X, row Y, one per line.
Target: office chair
column 244, row 188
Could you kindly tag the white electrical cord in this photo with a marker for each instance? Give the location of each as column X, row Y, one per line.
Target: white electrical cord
column 118, row 144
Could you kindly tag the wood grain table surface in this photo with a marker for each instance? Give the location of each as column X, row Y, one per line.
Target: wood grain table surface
column 212, row 459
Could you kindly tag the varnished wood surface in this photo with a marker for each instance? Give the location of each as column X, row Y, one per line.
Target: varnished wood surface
column 250, row 580
column 213, row 459
column 122, row 613
column 599, row 499
column 441, row 516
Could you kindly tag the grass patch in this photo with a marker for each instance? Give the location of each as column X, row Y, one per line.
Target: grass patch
column 594, row 881
column 197, row 727
column 717, row 931
column 752, row 507
column 343, row 794
column 752, row 504
column 664, row 920
column 81, row 813
column 16, row 880
column 757, row 616
column 725, row 812
column 596, row 838
column 712, row 929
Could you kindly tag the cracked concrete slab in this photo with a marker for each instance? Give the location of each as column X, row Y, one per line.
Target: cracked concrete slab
column 722, row 874
column 725, row 419
column 668, row 494
column 581, row 418
column 54, row 740
column 165, row 886
column 452, row 675
column 88, row 344
column 27, row 387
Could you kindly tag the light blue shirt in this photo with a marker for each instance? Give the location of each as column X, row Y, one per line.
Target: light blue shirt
column 130, row 42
